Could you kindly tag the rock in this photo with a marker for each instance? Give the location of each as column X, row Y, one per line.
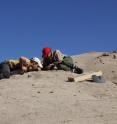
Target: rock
column 114, row 51
column 51, row 92
column 38, row 92
column 114, row 82
column 29, row 76
column 105, row 54
column 114, row 57
column 100, row 60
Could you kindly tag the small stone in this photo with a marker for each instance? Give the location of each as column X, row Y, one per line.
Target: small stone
column 114, row 57
column 51, row 92
column 105, row 54
column 101, row 115
column 113, row 71
column 114, row 83
column 33, row 85
column 114, row 51
column 100, row 60
column 29, row 76
column 38, row 92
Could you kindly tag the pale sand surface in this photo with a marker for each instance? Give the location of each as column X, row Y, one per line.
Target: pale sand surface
column 47, row 97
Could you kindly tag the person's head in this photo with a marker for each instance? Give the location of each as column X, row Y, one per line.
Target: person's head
column 46, row 52
column 37, row 61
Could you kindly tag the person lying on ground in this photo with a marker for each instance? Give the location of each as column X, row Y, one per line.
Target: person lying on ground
column 33, row 64
column 57, row 60
column 20, row 66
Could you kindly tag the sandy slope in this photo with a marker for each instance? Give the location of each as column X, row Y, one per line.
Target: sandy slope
column 47, row 97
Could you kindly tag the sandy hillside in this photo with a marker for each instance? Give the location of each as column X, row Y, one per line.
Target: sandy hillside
column 47, row 97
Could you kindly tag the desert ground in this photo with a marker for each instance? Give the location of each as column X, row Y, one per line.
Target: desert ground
column 46, row 97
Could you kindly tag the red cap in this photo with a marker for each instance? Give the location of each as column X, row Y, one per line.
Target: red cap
column 46, row 51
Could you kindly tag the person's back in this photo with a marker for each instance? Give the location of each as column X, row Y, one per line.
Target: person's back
column 13, row 64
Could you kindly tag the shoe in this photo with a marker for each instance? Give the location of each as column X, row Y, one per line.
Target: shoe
column 78, row 70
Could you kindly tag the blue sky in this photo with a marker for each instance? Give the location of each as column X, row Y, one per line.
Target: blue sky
column 73, row 26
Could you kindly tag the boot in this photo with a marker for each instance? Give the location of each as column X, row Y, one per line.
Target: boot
column 77, row 70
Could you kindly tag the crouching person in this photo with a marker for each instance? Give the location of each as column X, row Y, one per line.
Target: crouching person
column 57, row 60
